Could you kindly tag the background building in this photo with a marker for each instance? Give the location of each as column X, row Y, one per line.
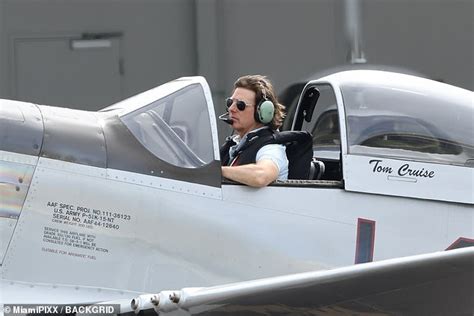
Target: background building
column 90, row 53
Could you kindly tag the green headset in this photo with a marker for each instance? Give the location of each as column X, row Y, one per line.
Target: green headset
column 265, row 109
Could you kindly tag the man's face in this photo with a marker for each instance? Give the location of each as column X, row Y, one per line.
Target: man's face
column 243, row 121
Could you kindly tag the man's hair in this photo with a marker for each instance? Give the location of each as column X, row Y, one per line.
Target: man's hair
column 263, row 89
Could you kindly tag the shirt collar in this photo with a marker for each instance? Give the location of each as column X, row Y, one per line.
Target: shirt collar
column 239, row 142
column 237, row 139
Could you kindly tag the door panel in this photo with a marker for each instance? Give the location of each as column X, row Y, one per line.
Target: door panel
column 66, row 72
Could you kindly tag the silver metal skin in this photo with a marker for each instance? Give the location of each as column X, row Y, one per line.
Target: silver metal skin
column 15, row 179
column 73, row 136
column 94, row 216
column 410, row 286
column 21, row 127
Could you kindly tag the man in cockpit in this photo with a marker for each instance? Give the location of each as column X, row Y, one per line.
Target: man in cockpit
column 248, row 156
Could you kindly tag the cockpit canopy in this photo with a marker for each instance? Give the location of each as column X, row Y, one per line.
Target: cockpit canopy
column 175, row 128
column 174, row 125
column 409, row 117
column 395, row 116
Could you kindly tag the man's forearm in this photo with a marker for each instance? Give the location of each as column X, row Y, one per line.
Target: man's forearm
column 255, row 175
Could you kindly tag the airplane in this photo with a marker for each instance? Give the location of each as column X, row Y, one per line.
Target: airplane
column 127, row 205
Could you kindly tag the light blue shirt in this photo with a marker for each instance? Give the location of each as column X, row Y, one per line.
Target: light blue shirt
column 277, row 154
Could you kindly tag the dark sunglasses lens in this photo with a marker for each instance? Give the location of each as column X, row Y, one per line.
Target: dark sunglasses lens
column 228, row 102
column 241, row 105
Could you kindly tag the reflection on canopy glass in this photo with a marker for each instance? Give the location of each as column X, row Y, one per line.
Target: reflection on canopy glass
column 176, row 128
column 406, row 124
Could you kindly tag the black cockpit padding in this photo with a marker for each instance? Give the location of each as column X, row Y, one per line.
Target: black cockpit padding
column 299, row 151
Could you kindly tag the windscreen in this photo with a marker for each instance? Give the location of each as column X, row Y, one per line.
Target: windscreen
column 175, row 128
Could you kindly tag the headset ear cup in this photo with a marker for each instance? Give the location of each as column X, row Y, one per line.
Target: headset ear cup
column 265, row 111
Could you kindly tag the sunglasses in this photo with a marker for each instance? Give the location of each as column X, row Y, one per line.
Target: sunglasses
column 241, row 105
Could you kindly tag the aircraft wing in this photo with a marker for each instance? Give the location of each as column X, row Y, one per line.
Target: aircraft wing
column 440, row 283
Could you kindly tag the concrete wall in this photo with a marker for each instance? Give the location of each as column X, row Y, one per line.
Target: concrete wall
column 158, row 42
column 223, row 39
column 435, row 37
column 285, row 40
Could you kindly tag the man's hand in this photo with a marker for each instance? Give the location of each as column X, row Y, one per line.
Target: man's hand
column 258, row 174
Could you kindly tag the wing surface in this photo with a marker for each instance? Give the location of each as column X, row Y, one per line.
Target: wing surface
column 440, row 283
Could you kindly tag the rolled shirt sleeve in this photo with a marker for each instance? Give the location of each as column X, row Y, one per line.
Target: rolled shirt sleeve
column 277, row 154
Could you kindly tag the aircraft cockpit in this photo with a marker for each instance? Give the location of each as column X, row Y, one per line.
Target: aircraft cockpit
column 378, row 114
column 317, row 113
column 362, row 123
column 168, row 131
column 378, row 126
